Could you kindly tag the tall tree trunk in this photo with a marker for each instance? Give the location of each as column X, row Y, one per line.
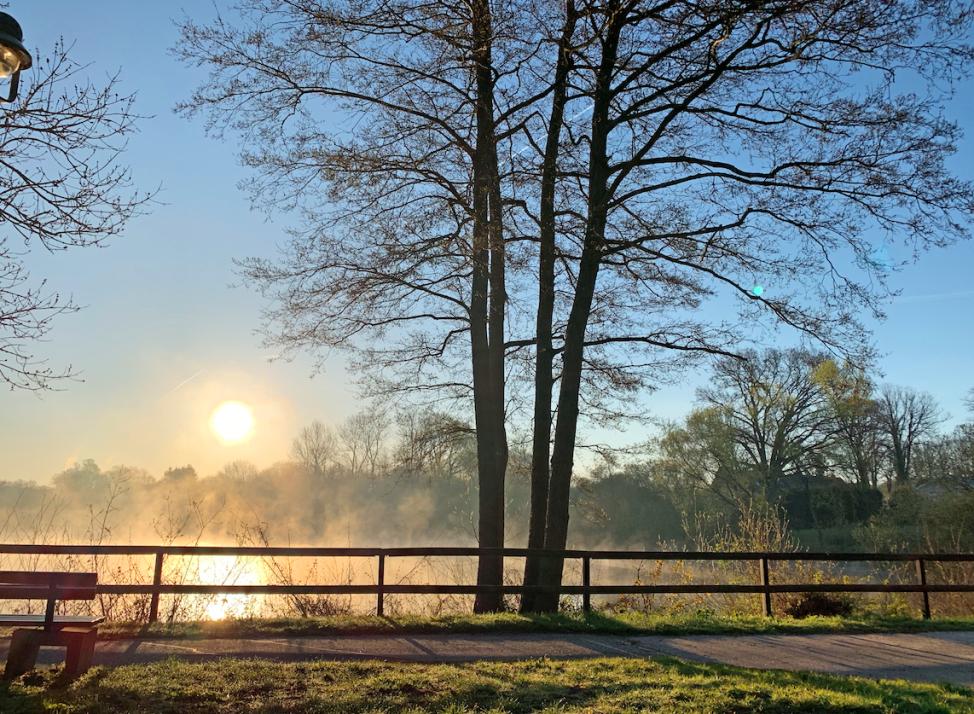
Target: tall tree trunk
column 900, row 468
column 563, row 453
column 544, row 355
column 487, row 325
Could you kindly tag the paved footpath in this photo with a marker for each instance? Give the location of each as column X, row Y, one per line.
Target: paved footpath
column 933, row 656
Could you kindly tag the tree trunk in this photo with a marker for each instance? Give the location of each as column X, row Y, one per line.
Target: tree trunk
column 544, row 355
column 563, row 452
column 488, row 304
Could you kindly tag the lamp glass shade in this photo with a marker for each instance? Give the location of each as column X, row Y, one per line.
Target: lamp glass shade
column 10, row 62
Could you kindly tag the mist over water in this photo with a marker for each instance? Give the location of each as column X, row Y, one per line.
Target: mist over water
column 417, row 490
column 368, row 485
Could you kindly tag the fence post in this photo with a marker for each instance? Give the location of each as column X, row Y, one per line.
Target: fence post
column 381, row 581
column 922, row 582
column 156, row 582
column 586, row 583
column 766, row 582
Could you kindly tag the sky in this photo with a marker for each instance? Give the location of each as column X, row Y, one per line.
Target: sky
column 165, row 337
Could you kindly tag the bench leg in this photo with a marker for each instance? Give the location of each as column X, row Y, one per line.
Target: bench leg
column 79, row 655
column 24, row 646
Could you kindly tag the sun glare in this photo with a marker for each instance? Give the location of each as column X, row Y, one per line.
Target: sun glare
column 232, row 422
column 228, row 570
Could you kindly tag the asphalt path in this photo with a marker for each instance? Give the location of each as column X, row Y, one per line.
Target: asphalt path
column 930, row 657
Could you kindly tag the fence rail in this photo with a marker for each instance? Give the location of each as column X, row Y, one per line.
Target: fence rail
column 764, row 560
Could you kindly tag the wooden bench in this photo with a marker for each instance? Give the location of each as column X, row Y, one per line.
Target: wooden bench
column 76, row 633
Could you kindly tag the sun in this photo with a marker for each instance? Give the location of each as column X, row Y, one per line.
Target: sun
column 232, row 422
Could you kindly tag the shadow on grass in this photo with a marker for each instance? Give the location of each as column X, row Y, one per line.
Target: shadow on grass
column 885, row 695
column 605, row 685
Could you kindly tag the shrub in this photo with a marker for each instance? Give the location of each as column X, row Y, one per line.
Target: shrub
column 819, row 604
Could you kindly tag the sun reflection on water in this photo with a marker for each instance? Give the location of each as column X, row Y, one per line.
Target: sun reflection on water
column 229, row 570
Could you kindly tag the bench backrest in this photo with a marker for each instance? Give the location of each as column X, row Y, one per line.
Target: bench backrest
column 18, row 585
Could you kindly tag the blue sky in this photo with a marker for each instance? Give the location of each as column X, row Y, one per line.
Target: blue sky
column 164, row 338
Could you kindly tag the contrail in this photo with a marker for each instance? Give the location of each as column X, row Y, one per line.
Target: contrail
column 579, row 113
column 185, row 382
column 573, row 117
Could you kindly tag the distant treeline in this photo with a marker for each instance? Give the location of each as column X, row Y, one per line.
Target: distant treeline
column 846, row 463
column 850, row 462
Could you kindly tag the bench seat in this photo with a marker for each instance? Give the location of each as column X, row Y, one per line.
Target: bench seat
column 59, row 621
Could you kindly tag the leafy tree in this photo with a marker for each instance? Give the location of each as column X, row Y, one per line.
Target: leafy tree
column 855, row 416
column 913, row 521
column 702, row 453
column 778, row 428
column 625, row 507
column 83, row 482
column 828, row 502
column 180, row 475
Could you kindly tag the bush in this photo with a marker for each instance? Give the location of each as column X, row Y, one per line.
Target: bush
column 819, row 604
column 827, row 502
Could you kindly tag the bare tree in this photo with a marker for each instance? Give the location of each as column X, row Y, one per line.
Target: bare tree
column 363, row 436
column 62, row 186
column 315, row 447
column 726, row 158
column 607, row 183
column 908, row 417
column 945, row 460
column 238, row 471
column 547, row 222
column 779, row 416
column 433, row 443
column 401, row 258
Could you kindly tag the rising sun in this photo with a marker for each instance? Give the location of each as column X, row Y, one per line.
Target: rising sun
column 232, row 422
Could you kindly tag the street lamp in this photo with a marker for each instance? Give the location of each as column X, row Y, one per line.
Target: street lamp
column 13, row 55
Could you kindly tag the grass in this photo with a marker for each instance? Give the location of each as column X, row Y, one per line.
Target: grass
column 601, row 685
column 595, row 622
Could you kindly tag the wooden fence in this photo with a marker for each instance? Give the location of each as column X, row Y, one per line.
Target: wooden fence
column 764, row 587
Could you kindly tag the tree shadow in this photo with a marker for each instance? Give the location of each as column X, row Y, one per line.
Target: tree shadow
column 665, row 684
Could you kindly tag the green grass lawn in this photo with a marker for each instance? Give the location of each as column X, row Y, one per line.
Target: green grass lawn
column 596, row 622
column 600, row 685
